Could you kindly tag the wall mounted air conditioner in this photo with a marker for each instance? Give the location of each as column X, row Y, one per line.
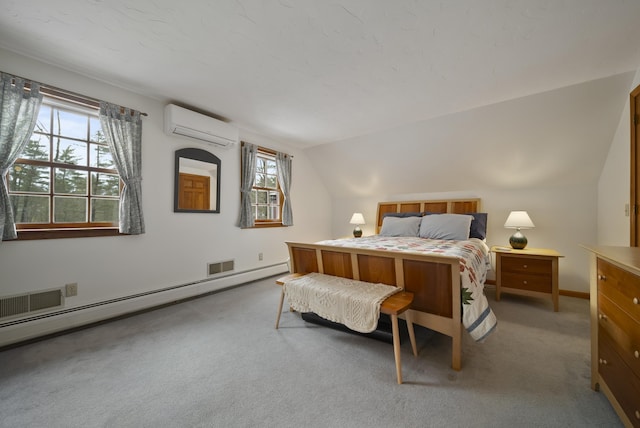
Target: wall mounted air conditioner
column 191, row 124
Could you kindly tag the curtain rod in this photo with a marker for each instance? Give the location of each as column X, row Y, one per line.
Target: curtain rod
column 265, row 149
column 76, row 97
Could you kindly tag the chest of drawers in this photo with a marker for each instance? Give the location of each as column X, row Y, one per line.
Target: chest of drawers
column 615, row 329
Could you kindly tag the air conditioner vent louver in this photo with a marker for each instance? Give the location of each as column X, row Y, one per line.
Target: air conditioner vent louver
column 13, row 306
column 187, row 123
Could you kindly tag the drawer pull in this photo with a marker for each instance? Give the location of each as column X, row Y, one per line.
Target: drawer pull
column 602, row 317
column 524, row 282
column 635, row 301
column 638, row 414
column 636, row 354
column 603, row 362
column 602, row 277
column 524, row 266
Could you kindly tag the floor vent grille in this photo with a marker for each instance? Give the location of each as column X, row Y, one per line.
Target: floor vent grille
column 219, row 267
column 13, row 306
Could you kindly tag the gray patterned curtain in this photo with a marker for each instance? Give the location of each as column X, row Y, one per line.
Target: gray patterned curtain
column 123, row 131
column 283, row 161
column 18, row 114
column 248, row 155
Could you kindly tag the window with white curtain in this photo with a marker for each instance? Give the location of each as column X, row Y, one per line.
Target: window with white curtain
column 65, row 181
column 266, row 196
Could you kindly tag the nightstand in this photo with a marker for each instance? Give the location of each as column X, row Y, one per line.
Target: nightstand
column 529, row 272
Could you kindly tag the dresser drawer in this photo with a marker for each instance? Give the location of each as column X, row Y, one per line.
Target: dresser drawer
column 540, row 283
column 622, row 287
column 528, row 266
column 623, row 330
column 624, row 386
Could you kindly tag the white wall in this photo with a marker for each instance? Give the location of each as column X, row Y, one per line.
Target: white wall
column 555, row 138
column 177, row 246
column 614, row 185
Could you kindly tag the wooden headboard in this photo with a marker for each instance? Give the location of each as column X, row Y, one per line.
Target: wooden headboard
column 454, row 206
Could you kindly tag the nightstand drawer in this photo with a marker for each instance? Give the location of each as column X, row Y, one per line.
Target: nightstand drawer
column 540, row 283
column 529, row 272
column 528, row 266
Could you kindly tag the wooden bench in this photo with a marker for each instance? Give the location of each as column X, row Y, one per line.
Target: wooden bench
column 393, row 306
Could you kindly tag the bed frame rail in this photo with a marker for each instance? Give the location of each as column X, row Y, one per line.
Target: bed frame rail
column 434, row 281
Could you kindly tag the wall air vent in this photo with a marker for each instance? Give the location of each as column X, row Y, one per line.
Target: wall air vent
column 219, row 267
column 23, row 304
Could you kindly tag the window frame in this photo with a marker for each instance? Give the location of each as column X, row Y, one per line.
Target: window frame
column 268, row 223
column 26, row 231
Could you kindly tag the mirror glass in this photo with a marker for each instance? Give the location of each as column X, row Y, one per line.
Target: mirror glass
column 197, row 182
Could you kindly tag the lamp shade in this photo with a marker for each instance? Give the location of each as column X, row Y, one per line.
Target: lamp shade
column 519, row 220
column 357, row 218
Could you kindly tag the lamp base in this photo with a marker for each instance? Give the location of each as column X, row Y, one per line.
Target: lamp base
column 518, row 241
column 357, row 232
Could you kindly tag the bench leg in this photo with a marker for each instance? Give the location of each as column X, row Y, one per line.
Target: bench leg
column 396, row 346
column 456, row 349
column 412, row 335
column 280, row 308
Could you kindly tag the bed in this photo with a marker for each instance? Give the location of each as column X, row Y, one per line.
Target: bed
column 445, row 274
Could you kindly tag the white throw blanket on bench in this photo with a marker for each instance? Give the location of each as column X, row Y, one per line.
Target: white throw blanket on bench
column 356, row 304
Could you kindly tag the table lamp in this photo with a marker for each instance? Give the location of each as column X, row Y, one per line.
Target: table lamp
column 518, row 220
column 357, row 219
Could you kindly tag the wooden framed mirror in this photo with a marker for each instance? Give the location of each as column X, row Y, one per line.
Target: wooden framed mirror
column 197, row 182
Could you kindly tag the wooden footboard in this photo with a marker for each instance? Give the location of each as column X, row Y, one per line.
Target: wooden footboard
column 434, row 281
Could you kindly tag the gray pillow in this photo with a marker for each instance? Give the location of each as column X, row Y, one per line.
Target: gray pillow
column 410, row 214
column 400, row 226
column 446, row 226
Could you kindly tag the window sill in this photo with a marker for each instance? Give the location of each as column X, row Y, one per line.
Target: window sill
column 27, row 235
column 265, row 224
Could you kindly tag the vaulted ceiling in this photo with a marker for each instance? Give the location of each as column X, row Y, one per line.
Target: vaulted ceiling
column 313, row 72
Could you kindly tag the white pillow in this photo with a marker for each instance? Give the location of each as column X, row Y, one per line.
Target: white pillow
column 400, row 226
column 446, row 226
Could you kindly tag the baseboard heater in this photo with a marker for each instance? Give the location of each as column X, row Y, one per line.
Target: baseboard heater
column 138, row 295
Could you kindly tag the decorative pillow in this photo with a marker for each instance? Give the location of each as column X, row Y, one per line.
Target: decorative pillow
column 478, row 226
column 400, row 226
column 446, row 226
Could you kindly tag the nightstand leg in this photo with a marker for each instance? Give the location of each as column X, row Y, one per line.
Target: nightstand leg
column 498, row 276
column 554, row 284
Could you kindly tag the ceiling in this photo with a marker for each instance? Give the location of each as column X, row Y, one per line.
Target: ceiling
column 311, row 72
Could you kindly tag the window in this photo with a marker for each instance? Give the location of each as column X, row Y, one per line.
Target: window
column 266, row 196
column 65, row 182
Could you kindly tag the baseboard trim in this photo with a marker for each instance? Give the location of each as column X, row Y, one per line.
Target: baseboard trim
column 568, row 293
column 571, row 293
column 19, row 331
